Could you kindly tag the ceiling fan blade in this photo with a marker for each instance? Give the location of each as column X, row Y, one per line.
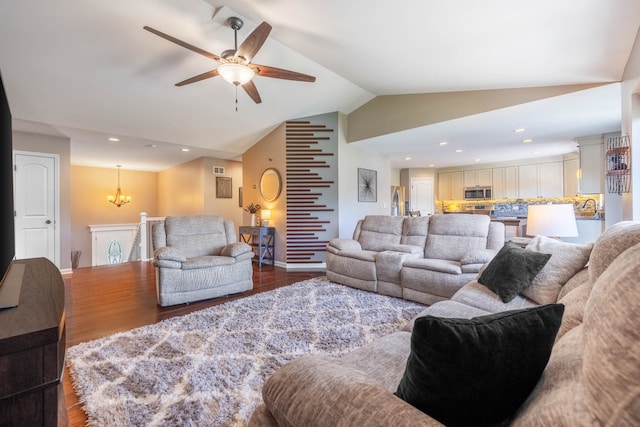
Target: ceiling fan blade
column 199, row 77
column 254, row 42
column 279, row 73
column 181, row 43
column 252, row 91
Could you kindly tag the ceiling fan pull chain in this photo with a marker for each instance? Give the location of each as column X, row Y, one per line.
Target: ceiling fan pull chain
column 236, row 97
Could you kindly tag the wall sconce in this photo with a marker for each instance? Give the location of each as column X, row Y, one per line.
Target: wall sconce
column 551, row 221
column 266, row 216
column 119, row 199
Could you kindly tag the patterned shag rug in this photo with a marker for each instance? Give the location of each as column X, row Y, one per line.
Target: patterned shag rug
column 207, row 368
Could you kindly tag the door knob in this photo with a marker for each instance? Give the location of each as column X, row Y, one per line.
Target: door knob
column 48, row 221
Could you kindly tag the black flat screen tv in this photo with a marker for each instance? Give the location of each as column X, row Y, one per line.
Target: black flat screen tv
column 7, row 242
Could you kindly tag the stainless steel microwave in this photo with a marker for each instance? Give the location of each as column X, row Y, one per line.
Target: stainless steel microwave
column 477, row 193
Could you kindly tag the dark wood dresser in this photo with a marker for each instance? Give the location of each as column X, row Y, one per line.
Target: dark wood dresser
column 32, row 346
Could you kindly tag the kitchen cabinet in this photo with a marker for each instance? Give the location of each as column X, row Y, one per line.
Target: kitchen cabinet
column 451, row 186
column 505, row 182
column 540, row 180
column 478, row 178
column 571, row 173
column 591, row 165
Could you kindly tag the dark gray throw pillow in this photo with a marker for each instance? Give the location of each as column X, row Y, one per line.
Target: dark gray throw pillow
column 511, row 270
column 477, row 372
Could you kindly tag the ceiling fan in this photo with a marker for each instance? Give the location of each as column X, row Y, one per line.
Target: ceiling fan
column 236, row 66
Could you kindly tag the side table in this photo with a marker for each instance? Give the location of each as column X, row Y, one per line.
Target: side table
column 262, row 240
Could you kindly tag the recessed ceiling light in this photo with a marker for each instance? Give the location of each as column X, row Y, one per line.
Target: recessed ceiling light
column 153, row 146
column 477, row 160
column 536, row 152
column 184, row 149
column 113, row 139
column 407, row 158
column 525, row 141
column 431, row 165
column 458, row 151
column 519, row 130
column 444, row 143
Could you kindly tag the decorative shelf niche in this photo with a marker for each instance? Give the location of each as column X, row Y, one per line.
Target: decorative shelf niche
column 617, row 158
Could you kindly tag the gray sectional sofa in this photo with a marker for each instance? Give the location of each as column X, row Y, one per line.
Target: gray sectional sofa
column 592, row 377
column 424, row 259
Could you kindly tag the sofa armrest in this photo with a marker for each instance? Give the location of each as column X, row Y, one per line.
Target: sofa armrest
column 478, row 256
column 167, row 253
column 337, row 245
column 318, row 391
column 236, row 249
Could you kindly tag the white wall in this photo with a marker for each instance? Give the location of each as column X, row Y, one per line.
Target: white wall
column 350, row 158
column 627, row 206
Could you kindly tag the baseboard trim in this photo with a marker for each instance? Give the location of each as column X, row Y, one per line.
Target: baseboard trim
column 306, row 267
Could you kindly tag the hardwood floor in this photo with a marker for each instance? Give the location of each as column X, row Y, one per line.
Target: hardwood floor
column 104, row 300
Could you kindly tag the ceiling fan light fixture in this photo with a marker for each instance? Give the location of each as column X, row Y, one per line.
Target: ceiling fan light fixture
column 236, row 74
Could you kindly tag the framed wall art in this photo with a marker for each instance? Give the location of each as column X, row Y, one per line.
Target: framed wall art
column 223, row 187
column 367, row 185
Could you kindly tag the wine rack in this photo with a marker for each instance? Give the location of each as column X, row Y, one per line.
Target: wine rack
column 617, row 157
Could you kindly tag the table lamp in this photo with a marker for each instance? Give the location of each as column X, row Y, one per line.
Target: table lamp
column 266, row 216
column 551, row 221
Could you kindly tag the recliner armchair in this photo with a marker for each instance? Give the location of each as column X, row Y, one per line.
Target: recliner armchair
column 198, row 257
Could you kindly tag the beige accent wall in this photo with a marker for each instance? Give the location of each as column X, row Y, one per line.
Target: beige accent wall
column 181, row 189
column 89, row 206
column 269, row 152
column 394, row 113
column 190, row 189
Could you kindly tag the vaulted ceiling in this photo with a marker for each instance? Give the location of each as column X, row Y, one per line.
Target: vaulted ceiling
column 86, row 69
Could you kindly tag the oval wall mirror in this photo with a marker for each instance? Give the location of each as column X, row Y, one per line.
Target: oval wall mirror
column 270, row 184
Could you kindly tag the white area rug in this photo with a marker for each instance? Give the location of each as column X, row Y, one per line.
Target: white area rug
column 207, row 368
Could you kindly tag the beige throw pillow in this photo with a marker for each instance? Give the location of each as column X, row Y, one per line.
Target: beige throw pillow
column 566, row 260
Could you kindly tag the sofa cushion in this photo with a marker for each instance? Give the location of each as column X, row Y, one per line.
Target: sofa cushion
column 439, row 265
column 512, row 270
column 207, row 262
column 574, row 303
column 611, row 243
column 451, row 236
column 377, row 232
column 611, row 353
column 479, row 296
column 196, row 235
column 566, row 260
column 478, row 371
column 414, row 231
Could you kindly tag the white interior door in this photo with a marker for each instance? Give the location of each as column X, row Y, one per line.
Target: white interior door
column 35, row 206
column 422, row 195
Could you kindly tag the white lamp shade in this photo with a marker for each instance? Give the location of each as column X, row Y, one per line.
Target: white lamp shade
column 236, row 74
column 265, row 214
column 552, row 221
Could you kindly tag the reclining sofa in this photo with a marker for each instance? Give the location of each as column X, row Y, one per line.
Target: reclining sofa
column 198, row 257
column 591, row 378
column 424, row 259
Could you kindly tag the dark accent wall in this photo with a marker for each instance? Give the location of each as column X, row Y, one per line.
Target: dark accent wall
column 311, row 187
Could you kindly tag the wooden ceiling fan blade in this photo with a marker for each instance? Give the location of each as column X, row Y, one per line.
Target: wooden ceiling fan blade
column 183, row 44
column 254, row 42
column 199, row 77
column 252, row 91
column 279, row 73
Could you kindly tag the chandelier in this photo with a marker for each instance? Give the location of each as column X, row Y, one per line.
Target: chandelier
column 119, row 199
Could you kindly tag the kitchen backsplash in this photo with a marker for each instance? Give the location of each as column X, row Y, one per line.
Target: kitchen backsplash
column 519, row 207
